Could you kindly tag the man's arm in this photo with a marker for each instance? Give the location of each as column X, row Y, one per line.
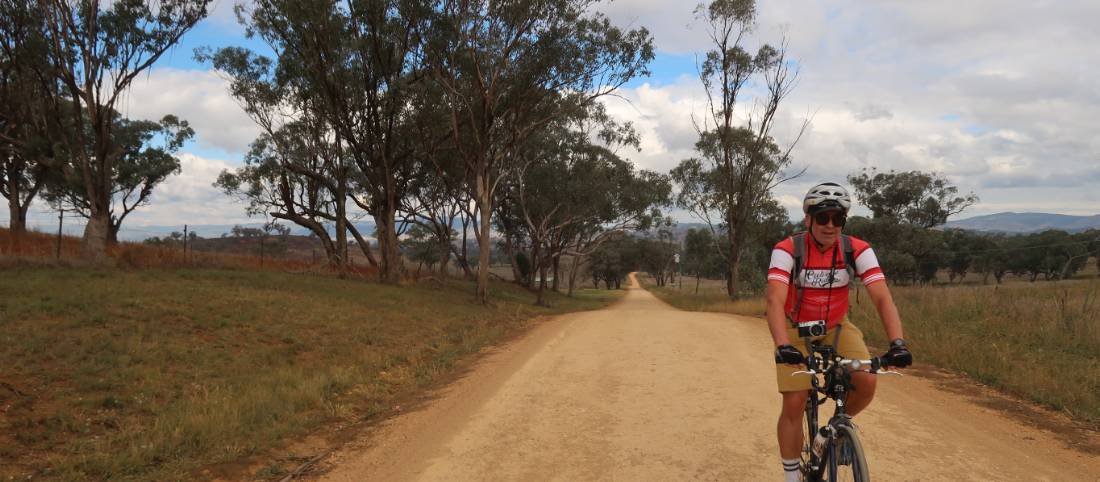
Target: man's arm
column 777, row 320
column 887, row 311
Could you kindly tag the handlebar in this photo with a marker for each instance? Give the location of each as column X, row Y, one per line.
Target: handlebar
column 874, row 365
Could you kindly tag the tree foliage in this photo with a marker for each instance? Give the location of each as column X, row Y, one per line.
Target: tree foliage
column 25, row 150
column 507, row 69
column 145, row 158
column 913, row 197
column 738, row 164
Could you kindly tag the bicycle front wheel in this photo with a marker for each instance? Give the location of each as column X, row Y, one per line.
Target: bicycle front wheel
column 847, row 462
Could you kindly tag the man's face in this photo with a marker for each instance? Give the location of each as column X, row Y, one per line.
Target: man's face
column 823, row 225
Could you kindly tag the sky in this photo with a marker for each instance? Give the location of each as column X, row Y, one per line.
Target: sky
column 999, row 96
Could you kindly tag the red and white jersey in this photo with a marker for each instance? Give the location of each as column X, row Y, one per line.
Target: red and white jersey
column 820, row 300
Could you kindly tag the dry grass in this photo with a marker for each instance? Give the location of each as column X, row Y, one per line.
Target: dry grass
column 40, row 249
column 1037, row 340
column 149, row 374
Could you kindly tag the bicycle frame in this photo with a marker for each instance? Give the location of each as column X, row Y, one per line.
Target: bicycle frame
column 836, row 385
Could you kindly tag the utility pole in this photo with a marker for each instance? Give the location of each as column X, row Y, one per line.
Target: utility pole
column 185, row 243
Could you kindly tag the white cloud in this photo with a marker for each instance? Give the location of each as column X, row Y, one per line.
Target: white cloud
column 201, row 97
column 190, row 198
column 999, row 96
column 663, row 118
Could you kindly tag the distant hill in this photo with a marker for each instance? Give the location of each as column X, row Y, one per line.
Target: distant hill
column 138, row 233
column 1018, row 223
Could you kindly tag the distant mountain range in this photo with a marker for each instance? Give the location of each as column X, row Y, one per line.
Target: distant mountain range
column 138, row 233
column 1019, row 223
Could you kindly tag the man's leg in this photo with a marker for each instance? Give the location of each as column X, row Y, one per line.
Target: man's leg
column 790, row 424
column 863, row 391
column 790, row 433
column 851, row 345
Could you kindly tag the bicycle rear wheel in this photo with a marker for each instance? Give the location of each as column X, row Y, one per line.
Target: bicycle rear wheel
column 847, row 462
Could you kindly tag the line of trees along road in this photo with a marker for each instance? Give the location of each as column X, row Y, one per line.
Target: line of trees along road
column 456, row 117
column 906, row 207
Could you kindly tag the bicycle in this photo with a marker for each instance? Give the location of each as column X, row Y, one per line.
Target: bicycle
column 839, row 454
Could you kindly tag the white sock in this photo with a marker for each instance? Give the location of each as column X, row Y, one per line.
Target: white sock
column 790, row 471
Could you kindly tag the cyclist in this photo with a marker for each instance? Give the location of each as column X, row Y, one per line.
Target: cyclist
column 818, row 301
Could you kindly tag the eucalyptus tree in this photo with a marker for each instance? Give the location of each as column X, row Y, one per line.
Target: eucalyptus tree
column 569, row 185
column 435, row 205
column 438, row 200
column 924, row 199
column 25, row 151
column 95, row 52
column 284, row 179
column 302, row 160
column 358, row 61
column 502, row 67
column 739, row 163
column 145, row 157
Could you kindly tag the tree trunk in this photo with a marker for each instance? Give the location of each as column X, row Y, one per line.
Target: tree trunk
column 112, row 235
column 536, row 263
column 96, row 233
column 696, row 284
column 573, row 273
column 444, row 255
column 542, row 284
column 737, row 240
column 390, row 266
column 485, row 212
column 17, row 223
column 364, row 244
column 510, row 251
column 341, row 227
column 557, row 272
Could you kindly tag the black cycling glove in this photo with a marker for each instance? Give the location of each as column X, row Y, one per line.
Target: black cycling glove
column 898, row 355
column 789, row 355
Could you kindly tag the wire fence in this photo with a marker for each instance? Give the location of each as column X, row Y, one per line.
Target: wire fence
column 180, row 249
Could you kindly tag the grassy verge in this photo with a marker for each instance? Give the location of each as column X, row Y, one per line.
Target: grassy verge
column 147, row 375
column 1040, row 340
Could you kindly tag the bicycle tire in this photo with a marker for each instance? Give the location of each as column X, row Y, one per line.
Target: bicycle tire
column 809, row 430
column 847, row 461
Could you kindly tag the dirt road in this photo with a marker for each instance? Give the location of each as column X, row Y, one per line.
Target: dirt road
column 642, row 391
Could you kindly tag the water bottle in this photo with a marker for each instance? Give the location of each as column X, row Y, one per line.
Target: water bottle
column 820, row 440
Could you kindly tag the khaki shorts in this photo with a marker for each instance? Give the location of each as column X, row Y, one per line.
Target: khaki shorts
column 850, row 345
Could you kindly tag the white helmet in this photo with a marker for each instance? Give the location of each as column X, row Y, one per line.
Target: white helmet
column 826, row 195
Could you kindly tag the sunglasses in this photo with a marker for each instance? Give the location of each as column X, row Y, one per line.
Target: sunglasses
column 838, row 219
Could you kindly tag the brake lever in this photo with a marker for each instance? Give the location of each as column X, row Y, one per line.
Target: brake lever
column 804, row 372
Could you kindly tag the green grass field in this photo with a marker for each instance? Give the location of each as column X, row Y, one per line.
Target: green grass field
column 152, row 374
column 1039, row 340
